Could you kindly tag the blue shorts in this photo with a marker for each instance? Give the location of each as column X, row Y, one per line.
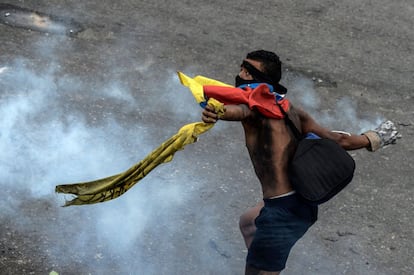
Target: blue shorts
column 281, row 222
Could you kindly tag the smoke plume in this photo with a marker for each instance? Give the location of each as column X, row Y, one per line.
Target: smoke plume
column 55, row 129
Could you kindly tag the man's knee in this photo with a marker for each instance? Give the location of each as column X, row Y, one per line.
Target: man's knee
column 247, row 219
column 246, row 223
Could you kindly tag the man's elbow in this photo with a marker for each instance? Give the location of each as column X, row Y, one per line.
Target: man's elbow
column 352, row 142
column 344, row 143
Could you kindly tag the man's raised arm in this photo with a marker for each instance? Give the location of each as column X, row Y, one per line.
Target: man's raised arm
column 386, row 133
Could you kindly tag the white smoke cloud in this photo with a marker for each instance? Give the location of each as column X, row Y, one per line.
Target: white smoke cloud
column 343, row 115
column 47, row 138
column 55, row 129
column 42, row 146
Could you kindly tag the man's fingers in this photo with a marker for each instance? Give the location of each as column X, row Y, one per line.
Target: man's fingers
column 210, row 108
column 208, row 119
column 208, row 116
column 209, row 113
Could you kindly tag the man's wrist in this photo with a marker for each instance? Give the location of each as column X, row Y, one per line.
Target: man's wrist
column 374, row 140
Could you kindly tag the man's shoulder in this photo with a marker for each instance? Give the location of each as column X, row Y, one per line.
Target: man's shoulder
column 293, row 110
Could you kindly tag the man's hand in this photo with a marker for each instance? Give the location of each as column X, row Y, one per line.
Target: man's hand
column 386, row 133
column 209, row 115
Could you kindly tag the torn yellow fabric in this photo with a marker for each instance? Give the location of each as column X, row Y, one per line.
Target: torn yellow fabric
column 114, row 186
column 196, row 85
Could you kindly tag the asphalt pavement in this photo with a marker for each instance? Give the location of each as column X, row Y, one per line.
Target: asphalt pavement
column 90, row 88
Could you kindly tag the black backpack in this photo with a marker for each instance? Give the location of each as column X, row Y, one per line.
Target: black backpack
column 320, row 168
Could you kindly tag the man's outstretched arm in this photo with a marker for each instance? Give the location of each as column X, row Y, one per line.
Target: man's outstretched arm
column 386, row 133
column 231, row 113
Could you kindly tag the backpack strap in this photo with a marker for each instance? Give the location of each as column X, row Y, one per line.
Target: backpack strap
column 290, row 124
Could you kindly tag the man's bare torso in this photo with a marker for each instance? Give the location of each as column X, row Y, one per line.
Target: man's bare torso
column 270, row 145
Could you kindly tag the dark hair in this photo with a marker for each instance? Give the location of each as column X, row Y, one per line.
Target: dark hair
column 272, row 65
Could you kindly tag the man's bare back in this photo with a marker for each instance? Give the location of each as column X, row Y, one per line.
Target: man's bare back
column 270, row 145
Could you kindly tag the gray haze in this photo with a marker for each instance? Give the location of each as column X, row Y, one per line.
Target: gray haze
column 85, row 107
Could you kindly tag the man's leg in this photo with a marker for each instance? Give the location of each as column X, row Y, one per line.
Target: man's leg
column 246, row 223
column 254, row 271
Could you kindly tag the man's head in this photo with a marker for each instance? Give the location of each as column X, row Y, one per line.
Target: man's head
column 270, row 63
column 261, row 66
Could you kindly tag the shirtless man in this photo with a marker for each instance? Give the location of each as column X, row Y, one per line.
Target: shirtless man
column 282, row 217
